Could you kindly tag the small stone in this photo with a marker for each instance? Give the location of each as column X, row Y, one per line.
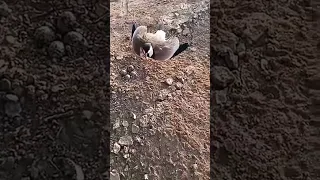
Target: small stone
column 193, row 49
column 75, row 40
column 114, row 175
column 126, row 156
column 57, row 88
column 66, row 22
column 125, row 124
column 134, row 74
column 87, row 114
column 130, row 68
column 125, row 140
column 195, row 167
column 241, row 47
column 116, row 124
column 5, row 85
column 144, row 121
column 18, row 91
column 138, row 139
column 116, row 148
column 169, row 81
column 125, row 149
column 232, row 61
column 145, row 177
column 197, row 175
column 10, row 40
column 164, row 93
column 242, row 54
column 44, row 35
column 126, row 168
column 221, row 97
column 12, row 109
column 135, row 129
column 56, row 49
column 132, row 151
column 230, row 58
column 180, row 78
column 186, row 31
column 152, row 132
column 127, row 76
column 228, row 55
column 4, row 9
column 133, row 116
column 221, row 77
column 123, row 72
column 12, row 97
column 179, row 85
column 31, row 90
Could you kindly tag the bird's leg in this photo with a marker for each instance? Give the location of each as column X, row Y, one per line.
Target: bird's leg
column 145, row 56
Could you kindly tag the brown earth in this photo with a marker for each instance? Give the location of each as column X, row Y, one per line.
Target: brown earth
column 173, row 120
column 54, row 106
column 265, row 114
column 264, row 74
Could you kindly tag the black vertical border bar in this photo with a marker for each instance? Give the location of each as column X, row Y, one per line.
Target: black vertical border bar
column 212, row 23
column 108, row 61
column 212, row 149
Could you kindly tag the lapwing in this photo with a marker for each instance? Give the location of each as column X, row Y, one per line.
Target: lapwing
column 155, row 45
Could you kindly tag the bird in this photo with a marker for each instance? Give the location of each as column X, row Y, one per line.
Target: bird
column 155, row 45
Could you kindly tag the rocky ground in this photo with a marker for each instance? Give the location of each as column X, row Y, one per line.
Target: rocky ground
column 53, row 86
column 54, row 106
column 160, row 110
column 265, row 78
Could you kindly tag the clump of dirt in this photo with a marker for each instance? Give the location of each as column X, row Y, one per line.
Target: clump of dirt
column 262, row 126
column 160, row 115
column 53, row 90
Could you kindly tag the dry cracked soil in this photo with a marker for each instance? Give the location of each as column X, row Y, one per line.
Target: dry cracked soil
column 260, row 57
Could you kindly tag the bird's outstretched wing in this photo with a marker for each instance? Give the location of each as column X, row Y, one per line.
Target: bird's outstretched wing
column 165, row 49
column 182, row 47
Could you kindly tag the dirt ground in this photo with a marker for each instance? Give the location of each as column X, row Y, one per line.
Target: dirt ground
column 160, row 129
column 265, row 77
column 54, row 86
column 54, row 89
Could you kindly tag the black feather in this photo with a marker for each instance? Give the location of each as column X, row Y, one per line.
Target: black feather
column 134, row 27
column 181, row 48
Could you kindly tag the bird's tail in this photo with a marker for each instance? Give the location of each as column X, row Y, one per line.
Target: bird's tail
column 181, row 48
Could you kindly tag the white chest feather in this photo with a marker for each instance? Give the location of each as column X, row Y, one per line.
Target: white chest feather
column 161, row 35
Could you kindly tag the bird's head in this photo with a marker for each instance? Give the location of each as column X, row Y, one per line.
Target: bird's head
column 146, row 50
